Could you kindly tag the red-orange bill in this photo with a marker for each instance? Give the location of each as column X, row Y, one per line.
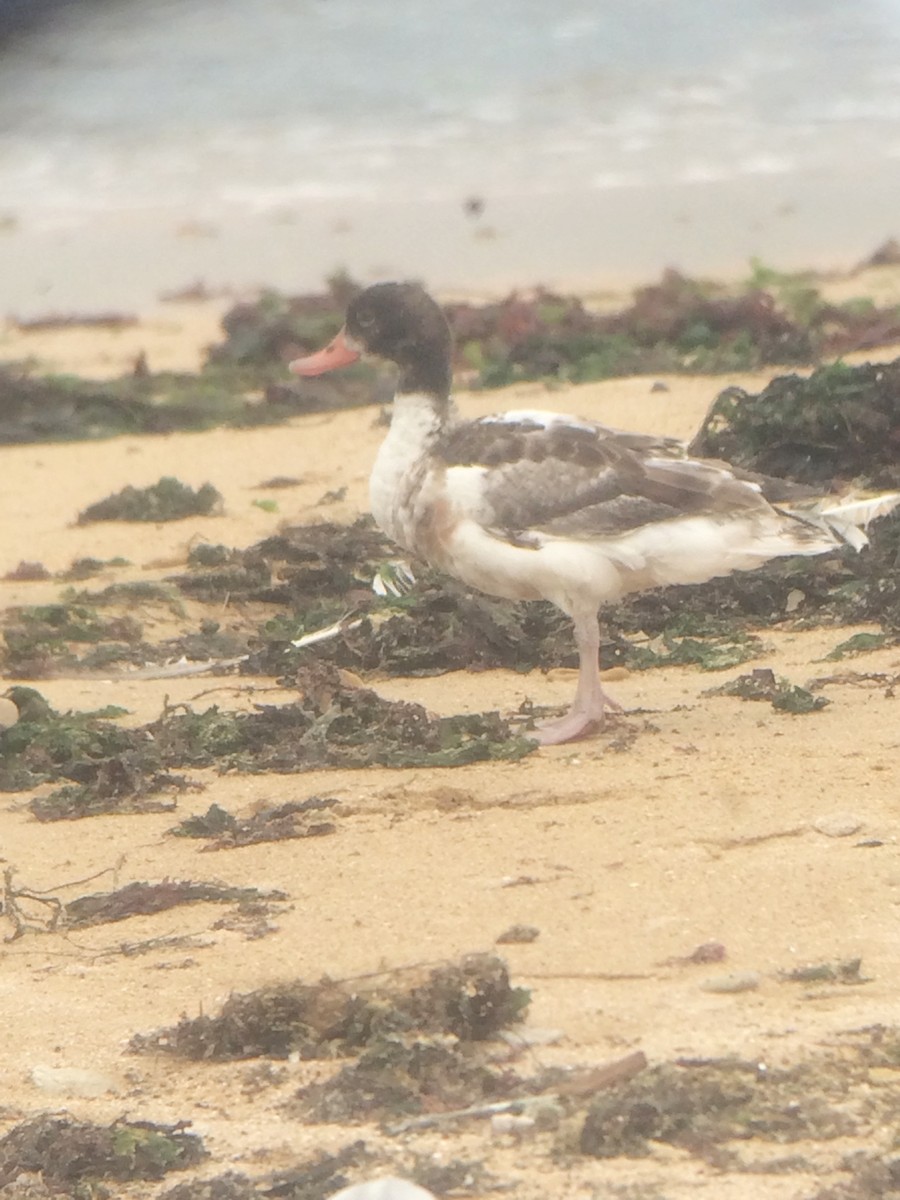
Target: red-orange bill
column 336, row 354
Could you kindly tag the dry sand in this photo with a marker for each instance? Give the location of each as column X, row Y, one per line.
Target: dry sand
column 774, row 835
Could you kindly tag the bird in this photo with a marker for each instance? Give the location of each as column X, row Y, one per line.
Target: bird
column 528, row 504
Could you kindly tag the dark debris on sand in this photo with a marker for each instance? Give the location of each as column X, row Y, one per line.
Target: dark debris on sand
column 297, row 567
column 73, row 1157
column 108, row 768
column 470, row 1000
column 167, row 500
column 840, row 424
column 726, row 1110
column 331, row 724
column 867, row 1177
column 62, row 408
column 142, row 899
column 418, row 1039
column 699, row 1106
column 309, row 1180
column 763, row 684
column 273, row 823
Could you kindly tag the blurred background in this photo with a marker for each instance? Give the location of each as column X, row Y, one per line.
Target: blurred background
column 147, row 144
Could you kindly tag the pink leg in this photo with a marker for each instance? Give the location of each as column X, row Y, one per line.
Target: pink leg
column 591, row 702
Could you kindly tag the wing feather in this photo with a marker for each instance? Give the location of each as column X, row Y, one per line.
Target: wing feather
column 547, row 473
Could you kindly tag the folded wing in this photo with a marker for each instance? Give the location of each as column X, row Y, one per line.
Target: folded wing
column 540, row 473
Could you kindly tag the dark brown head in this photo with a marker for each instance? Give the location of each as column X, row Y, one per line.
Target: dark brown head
column 398, row 322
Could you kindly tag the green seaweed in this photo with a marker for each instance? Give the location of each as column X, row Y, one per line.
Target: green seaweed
column 71, row 1154
column 712, row 653
column 167, row 500
column 763, row 684
column 840, row 422
column 859, row 643
column 107, row 768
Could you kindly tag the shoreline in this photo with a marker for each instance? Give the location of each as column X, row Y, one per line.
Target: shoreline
column 174, row 334
column 584, row 241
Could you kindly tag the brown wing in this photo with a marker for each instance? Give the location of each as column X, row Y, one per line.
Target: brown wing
column 579, row 479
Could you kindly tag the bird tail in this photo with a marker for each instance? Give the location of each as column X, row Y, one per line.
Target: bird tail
column 844, row 518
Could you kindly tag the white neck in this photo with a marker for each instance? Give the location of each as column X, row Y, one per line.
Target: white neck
column 416, row 422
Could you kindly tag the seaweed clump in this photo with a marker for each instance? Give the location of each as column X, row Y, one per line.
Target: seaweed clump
column 415, row 1041
column 66, row 408
column 840, row 423
column 275, row 823
column 697, row 1106
column 674, row 325
column 44, row 638
column 763, row 684
column 870, row 1177
column 142, row 899
column 332, row 725
column 72, row 1155
column 167, row 500
column 108, row 768
column 471, row 1000
column 303, row 566
column 113, row 769
column 276, row 328
column 308, row 1180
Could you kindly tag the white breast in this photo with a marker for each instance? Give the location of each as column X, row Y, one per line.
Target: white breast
column 401, row 466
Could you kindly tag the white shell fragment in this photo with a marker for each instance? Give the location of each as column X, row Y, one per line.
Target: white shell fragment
column 739, row 981
column 322, row 635
column 388, row 1188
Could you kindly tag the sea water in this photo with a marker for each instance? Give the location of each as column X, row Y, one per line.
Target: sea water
column 143, row 142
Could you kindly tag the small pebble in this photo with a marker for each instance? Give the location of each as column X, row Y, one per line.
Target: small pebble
column 531, row 1037
column 708, row 952
column 518, row 934
column 837, row 825
column 741, row 981
column 513, row 1123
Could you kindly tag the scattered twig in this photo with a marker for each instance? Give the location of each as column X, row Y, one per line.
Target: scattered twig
column 856, row 679
column 61, row 887
column 612, row 977
column 14, row 913
column 753, row 839
column 430, row 1120
column 586, row 1081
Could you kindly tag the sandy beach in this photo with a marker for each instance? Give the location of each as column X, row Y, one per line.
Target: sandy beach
column 721, row 821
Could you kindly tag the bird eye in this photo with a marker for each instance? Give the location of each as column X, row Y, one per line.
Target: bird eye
column 365, row 320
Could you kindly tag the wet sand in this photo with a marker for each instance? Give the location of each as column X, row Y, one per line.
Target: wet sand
column 589, row 239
